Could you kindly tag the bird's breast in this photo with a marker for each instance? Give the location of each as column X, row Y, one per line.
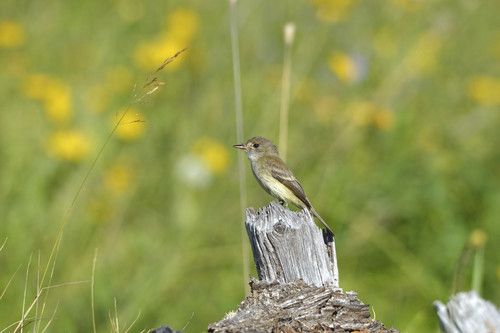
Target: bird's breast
column 273, row 186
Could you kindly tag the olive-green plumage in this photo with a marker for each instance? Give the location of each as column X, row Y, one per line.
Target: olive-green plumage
column 274, row 176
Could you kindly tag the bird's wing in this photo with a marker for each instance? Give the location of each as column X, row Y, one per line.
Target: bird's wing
column 281, row 173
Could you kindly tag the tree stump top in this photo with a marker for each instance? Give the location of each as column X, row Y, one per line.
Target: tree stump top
column 467, row 312
column 297, row 307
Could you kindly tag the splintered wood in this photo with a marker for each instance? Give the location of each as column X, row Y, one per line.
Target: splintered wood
column 297, row 307
column 287, row 246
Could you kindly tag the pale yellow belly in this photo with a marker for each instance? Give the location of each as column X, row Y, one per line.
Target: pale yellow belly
column 280, row 191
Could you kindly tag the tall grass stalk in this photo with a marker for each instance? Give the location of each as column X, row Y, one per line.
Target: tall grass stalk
column 51, row 318
column 458, row 274
column 133, row 323
column 3, row 244
column 289, row 36
column 239, row 138
column 115, row 323
column 92, row 291
column 38, row 270
column 9, row 282
column 478, row 270
column 23, row 316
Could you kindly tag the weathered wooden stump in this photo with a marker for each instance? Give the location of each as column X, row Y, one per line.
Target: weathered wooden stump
column 287, row 246
column 466, row 312
column 298, row 289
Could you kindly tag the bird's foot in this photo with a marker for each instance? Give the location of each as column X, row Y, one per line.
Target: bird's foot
column 283, row 203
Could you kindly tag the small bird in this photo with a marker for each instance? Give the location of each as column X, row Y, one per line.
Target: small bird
column 274, row 176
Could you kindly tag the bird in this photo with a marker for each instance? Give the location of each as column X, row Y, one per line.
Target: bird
column 274, row 175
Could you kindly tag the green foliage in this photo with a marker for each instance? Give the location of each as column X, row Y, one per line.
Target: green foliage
column 393, row 133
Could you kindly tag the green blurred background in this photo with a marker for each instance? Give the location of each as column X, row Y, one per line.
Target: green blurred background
column 394, row 133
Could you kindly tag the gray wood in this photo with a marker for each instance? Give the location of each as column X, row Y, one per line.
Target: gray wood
column 288, row 246
column 298, row 288
column 297, row 307
column 466, row 312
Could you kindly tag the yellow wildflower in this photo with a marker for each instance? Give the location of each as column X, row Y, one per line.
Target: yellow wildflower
column 11, row 34
column 181, row 27
column 485, row 90
column 131, row 124
column 54, row 94
column 361, row 112
column 182, row 24
column 57, row 103
column 368, row 114
column 118, row 178
column 69, row 145
column 383, row 119
column 344, row 67
column 332, row 10
column 151, row 54
column 213, row 153
column 477, row 238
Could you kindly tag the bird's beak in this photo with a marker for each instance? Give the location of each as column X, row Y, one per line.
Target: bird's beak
column 240, row 146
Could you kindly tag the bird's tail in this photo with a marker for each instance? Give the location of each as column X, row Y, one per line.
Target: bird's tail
column 315, row 214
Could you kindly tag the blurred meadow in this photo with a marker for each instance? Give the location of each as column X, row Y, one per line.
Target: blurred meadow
column 394, row 132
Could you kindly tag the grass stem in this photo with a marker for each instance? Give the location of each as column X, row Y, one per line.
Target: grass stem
column 478, row 270
column 289, row 36
column 239, row 137
column 92, row 291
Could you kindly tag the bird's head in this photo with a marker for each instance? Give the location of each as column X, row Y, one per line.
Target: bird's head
column 257, row 147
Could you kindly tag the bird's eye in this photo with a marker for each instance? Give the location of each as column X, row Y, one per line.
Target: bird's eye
column 256, row 145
